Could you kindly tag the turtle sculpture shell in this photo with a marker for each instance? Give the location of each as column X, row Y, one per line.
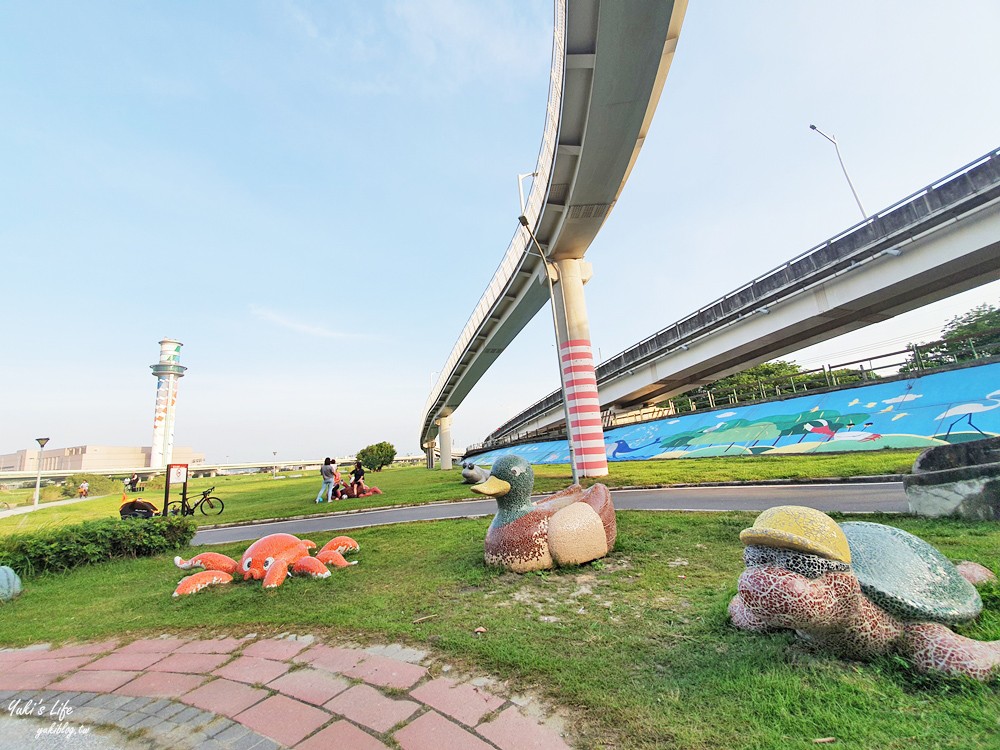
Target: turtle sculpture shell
column 798, row 528
column 907, row 577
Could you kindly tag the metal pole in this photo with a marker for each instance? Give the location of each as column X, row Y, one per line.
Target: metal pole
column 38, row 479
column 555, row 329
column 520, row 188
column 833, row 140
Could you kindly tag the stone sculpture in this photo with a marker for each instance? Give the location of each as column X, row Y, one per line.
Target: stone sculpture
column 472, row 474
column 571, row 527
column 10, row 583
column 272, row 558
column 957, row 480
column 859, row 589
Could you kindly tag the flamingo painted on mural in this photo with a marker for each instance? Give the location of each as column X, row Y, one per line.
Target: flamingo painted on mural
column 822, row 427
column 818, row 427
column 965, row 411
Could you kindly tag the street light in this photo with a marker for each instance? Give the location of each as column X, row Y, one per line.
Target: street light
column 520, row 188
column 38, row 479
column 833, row 140
column 274, row 469
column 555, row 327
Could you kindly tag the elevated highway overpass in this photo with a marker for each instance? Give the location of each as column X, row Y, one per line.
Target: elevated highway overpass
column 939, row 241
column 609, row 63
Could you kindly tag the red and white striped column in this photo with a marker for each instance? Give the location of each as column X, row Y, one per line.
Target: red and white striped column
column 583, row 407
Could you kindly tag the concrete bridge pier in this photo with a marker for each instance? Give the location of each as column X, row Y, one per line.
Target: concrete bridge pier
column 444, row 441
column 576, row 360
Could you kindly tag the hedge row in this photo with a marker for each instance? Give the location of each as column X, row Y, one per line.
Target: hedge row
column 89, row 542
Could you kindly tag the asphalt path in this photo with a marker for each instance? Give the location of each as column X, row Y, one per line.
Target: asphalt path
column 866, row 497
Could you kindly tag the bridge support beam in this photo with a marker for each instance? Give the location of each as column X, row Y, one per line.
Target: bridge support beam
column 583, row 408
column 444, row 441
column 429, row 453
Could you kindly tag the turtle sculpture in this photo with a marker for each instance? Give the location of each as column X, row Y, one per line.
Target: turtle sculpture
column 571, row 527
column 861, row 590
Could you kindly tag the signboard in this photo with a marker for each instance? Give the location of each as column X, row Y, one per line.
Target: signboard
column 177, row 474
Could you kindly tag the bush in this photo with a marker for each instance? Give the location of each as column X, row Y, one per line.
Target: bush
column 51, row 492
column 158, row 482
column 99, row 485
column 376, row 456
column 69, row 547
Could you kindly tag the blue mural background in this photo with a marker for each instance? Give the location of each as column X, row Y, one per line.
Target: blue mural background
column 935, row 409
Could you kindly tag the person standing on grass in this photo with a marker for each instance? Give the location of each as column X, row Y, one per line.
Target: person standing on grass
column 327, row 471
column 339, row 490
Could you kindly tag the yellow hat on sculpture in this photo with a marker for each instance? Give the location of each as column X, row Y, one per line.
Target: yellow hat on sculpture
column 798, row 528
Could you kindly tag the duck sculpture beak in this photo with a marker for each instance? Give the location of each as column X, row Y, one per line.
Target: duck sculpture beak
column 492, row 487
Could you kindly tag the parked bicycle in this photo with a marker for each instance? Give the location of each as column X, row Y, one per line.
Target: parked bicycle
column 209, row 506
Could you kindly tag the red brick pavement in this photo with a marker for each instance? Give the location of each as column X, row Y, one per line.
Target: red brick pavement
column 296, row 693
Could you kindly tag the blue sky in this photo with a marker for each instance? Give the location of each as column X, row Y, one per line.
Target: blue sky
column 312, row 196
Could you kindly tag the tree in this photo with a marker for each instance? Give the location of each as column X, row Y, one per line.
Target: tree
column 974, row 334
column 770, row 379
column 376, row 456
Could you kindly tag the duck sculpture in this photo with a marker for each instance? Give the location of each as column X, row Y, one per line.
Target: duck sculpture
column 571, row 527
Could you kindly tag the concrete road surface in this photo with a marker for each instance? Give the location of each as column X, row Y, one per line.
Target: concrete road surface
column 867, row 497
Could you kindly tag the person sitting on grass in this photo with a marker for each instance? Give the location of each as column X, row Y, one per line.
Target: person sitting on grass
column 357, row 488
column 357, row 479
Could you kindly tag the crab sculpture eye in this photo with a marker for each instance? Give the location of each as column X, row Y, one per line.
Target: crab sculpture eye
column 267, row 562
column 247, row 564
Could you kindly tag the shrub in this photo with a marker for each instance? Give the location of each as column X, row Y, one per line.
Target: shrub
column 376, row 456
column 69, row 547
column 158, row 482
column 99, row 485
column 51, row 492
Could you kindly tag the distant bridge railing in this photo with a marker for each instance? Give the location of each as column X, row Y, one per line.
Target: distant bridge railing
column 965, row 189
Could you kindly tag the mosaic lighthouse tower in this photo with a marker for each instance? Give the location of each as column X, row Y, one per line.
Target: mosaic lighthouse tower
column 167, row 371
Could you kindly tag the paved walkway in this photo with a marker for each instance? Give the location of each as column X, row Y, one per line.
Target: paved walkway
column 260, row 694
column 850, row 496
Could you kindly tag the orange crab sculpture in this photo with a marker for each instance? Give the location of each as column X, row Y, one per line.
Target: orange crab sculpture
column 272, row 558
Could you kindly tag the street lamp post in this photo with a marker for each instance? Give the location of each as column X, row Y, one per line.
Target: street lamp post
column 38, row 479
column 833, row 140
column 274, row 469
column 520, row 186
column 555, row 328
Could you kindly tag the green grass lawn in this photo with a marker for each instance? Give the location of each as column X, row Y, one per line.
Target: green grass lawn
column 637, row 645
column 258, row 496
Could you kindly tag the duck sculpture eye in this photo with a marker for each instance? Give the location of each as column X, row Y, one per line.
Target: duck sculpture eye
column 267, row 562
column 516, row 471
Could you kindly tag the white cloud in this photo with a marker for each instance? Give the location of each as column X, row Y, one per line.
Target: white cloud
column 903, row 399
column 309, row 329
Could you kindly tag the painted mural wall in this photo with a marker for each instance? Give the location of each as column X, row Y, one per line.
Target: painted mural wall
column 935, row 409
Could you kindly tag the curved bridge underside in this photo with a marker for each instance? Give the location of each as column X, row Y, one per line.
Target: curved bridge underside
column 609, row 62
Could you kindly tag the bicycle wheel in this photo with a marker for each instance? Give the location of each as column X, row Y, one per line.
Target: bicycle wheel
column 175, row 508
column 211, row 506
